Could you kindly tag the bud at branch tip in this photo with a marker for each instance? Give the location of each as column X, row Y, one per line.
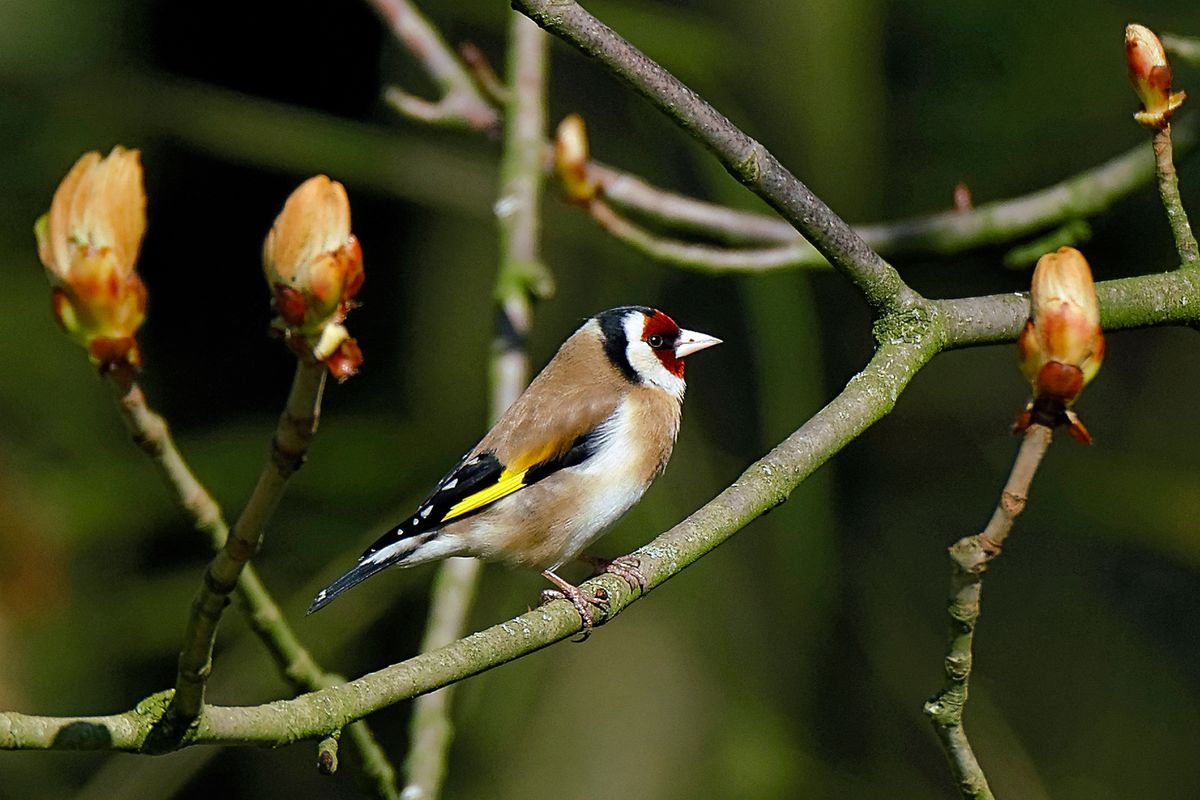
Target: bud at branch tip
column 88, row 242
column 571, row 160
column 313, row 264
column 1150, row 74
column 1062, row 346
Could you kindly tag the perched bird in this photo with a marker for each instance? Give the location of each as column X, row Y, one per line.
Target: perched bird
column 576, row 450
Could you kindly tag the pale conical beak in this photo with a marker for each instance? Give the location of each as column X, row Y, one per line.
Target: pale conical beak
column 693, row 342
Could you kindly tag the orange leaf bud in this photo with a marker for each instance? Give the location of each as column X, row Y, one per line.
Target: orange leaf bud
column 88, row 242
column 1151, row 76
column 1062, row 346
column 314, row 266
column 571, row 159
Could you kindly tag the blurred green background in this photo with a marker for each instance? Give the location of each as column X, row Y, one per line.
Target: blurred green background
column 792, row 662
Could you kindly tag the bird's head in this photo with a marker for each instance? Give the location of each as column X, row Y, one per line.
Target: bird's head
column 647, row 346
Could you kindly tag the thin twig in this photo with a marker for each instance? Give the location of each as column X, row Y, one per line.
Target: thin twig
column 462, row 104
column 489, row 82
column 702, row 256
column 1168, row 190
column 971, row 555
column 1082, row 195
column 688, row 215
column 375, row 771
column 296, row 427
column 1072, row 234
column 431, row 729
column 746, row 159
column 151, row 433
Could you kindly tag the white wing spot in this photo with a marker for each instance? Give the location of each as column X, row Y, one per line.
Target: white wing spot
column 450, row 484
column 425, row 512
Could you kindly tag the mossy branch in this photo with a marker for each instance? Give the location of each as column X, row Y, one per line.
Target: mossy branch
column 764, row 485
column 1168, row 298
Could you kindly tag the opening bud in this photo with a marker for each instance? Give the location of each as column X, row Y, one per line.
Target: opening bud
column 1151, row 76
column 571, row 159
column 313, row 264
column 1062, row 346
column 88, row 242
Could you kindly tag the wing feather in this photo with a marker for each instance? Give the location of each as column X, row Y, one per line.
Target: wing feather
column 557, row 423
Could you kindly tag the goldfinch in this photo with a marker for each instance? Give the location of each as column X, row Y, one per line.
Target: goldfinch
column 576, row 450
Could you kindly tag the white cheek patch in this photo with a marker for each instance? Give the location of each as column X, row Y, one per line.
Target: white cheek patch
column 643, row 360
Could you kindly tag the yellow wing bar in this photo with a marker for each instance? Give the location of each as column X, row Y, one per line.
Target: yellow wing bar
column 509, row 482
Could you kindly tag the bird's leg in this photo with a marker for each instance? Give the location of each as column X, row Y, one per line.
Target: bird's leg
column 627, row 568
column 580, row 599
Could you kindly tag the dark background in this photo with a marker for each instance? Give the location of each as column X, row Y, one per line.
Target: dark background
column 793, row 661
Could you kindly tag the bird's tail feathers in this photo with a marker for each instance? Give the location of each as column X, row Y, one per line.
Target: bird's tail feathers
column 371, row 562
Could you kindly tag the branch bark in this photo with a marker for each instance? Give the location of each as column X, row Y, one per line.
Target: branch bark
column 151, row 434
column 1165, row 298
column 289, row 445
column 706, row 258
column 971, row 555
column 1127, row 303
column 1168, row 190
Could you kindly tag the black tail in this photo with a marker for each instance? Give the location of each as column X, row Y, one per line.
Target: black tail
column 363, row 570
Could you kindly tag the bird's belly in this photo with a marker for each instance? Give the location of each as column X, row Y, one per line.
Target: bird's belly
column 547, row 525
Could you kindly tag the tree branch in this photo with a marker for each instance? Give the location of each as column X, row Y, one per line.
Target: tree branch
column 706, row 258
column 1060, row 205
column 765, row 484
column 683, row 214
column 152, row 435
column 462, row 103
column 1168, row 190
column 1084, row 194
column 1165, row 298
column 745, row 158
column 971, row 555
column 288, row 448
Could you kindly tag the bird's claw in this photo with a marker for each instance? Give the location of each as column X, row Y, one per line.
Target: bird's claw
column 628, row 568
column 582, row 601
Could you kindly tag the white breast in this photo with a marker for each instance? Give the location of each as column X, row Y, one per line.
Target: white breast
column 614, row 485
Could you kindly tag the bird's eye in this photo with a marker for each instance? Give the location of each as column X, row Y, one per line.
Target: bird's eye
column 656, row 341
